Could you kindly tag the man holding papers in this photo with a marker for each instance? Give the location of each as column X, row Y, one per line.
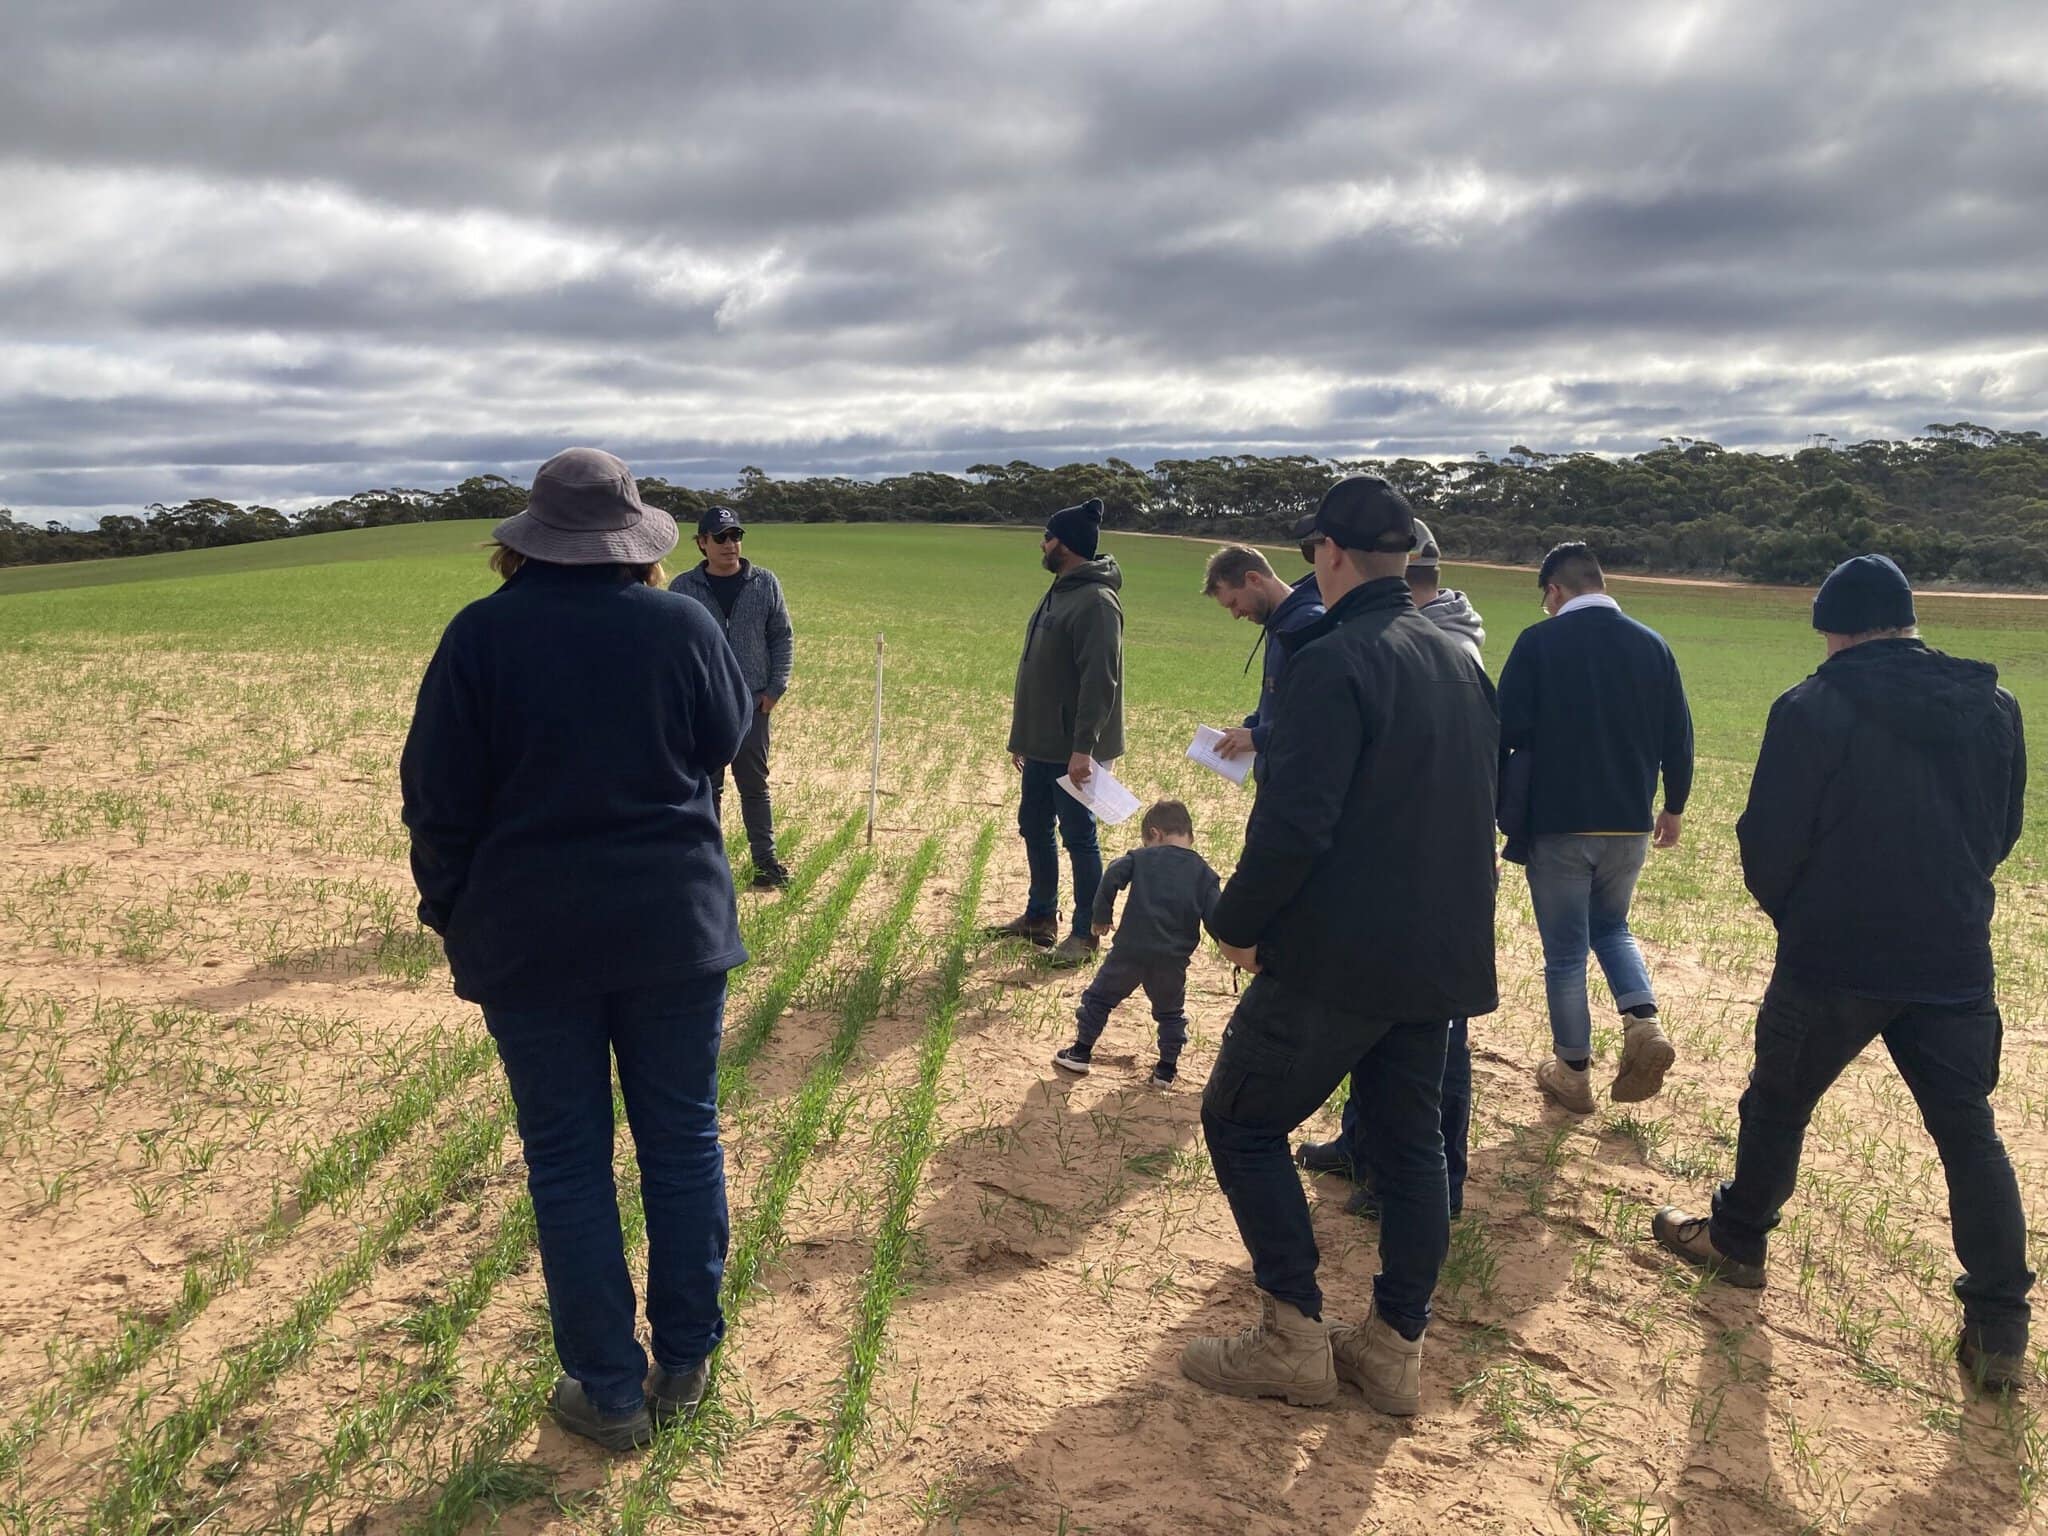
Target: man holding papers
column 1067, row 715
column 1243, row 583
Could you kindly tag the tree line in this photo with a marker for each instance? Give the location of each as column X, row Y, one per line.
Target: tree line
column 1960, row 503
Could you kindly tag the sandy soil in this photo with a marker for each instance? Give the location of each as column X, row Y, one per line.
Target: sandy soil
column 1069, row 1235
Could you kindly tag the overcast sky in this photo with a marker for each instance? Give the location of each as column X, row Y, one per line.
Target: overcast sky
column 286, row 250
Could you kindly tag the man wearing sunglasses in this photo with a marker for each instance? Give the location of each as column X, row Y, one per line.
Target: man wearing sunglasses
column 747, row 602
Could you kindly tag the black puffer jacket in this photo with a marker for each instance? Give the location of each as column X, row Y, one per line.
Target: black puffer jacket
column 1367, row 874
column 1890, row 785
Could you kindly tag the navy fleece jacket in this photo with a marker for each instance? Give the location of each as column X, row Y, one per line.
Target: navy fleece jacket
column 557, row 783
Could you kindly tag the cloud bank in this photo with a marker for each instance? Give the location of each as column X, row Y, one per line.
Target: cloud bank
column 282, row 252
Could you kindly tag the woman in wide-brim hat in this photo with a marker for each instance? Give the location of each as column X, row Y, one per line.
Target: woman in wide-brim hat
column 557, row 782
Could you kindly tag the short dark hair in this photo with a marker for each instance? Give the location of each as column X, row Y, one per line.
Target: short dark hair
column 1169, row 818
column 1572, row 566
column 1229, row 567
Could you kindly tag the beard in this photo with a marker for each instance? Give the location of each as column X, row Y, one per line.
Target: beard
column 1051, row 561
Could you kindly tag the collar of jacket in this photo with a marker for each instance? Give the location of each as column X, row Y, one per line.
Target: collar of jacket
column 547, row 572
column 745, row 572
column 1303, row 593
column 1367, row 597
column 1874, row 652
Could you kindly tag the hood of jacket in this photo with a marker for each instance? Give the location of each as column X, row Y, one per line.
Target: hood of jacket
column 1304, row 595
column 1102, row 571
column 1453, row 610
column 1915, row 693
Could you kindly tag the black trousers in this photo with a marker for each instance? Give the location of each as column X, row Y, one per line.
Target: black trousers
column 757, row 808
column 1805, row 1036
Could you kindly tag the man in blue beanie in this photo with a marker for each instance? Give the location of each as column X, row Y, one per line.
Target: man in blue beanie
column 1067, row 714
column 1889, row 787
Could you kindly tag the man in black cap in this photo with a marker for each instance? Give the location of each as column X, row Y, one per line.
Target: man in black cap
column 747, row 601
column 1363, row 903
column 1890, row 785
column 1066, row 715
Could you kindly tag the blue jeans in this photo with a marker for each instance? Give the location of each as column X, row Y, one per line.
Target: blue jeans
column 1581, row 887
column 1456, row 1120
column 1805, row 1036
column 559, row 1063
column 1043, row 805
column 1282, row 1056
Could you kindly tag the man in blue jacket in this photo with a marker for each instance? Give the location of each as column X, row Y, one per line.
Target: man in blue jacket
column 1890, row 785
column 1595, row 701
column 747, row 601
column 1242, row 582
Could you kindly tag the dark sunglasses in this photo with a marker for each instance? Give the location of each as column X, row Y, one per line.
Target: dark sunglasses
column 1308, row 546
column 727, row 535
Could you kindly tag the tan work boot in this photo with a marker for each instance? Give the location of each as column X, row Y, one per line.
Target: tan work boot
column 1646, row 1055
column 1286, row 1355
column 1691, row 1238
column 1572, row 1089
column 1385, row 1367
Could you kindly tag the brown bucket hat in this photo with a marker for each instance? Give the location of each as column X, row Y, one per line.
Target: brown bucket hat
column 584, row 509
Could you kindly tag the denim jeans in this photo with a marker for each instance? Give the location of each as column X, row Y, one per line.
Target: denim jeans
column 1043, row 805
column 757, row 806
column 1456, row 1120
column 1805, row 1036
column 1282, row 1056
column 1165, row 981
column 559, row 1063
column 1581, row 886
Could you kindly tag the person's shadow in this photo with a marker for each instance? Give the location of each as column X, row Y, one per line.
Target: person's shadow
column 1023, row 1188
column 1160, row 1456
column 1978, row 1487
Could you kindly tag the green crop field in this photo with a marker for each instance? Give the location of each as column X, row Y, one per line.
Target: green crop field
column 270, row 1263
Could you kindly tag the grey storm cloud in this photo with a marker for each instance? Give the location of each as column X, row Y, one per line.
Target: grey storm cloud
column 277, row 251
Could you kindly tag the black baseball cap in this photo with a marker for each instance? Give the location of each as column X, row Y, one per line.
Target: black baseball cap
column 717, row 520
column 1365, row 512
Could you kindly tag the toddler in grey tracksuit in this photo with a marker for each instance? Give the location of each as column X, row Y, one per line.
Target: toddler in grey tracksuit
column 1173, row 891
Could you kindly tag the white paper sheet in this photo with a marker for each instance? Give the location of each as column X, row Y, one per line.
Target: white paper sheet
column 1103, row 795
column 1206, row 750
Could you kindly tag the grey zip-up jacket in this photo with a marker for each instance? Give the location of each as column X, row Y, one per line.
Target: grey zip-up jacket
column 759, row 630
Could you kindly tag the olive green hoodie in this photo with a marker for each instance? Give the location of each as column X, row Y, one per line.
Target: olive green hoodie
column 1070, row 679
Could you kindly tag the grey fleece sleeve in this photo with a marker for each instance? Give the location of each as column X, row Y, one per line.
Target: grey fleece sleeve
column 781, row 642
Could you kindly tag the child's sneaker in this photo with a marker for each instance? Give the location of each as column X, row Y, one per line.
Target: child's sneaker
column 1164, row 1074
column 1074, row 1059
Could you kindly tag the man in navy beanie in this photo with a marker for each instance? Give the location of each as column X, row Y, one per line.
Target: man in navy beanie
column 1066, row 715
column 1889, row 787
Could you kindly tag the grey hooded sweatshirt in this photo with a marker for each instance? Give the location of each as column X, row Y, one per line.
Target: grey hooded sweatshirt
column 1452, row 612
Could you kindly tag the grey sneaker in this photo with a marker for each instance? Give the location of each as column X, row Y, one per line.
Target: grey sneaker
column 1385, row 1367
column 1646, row 1055
column 1688, row 1236
column 1284, row 1355
column 1562, row 1085
column 571, row 1407
column 673, row 1395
